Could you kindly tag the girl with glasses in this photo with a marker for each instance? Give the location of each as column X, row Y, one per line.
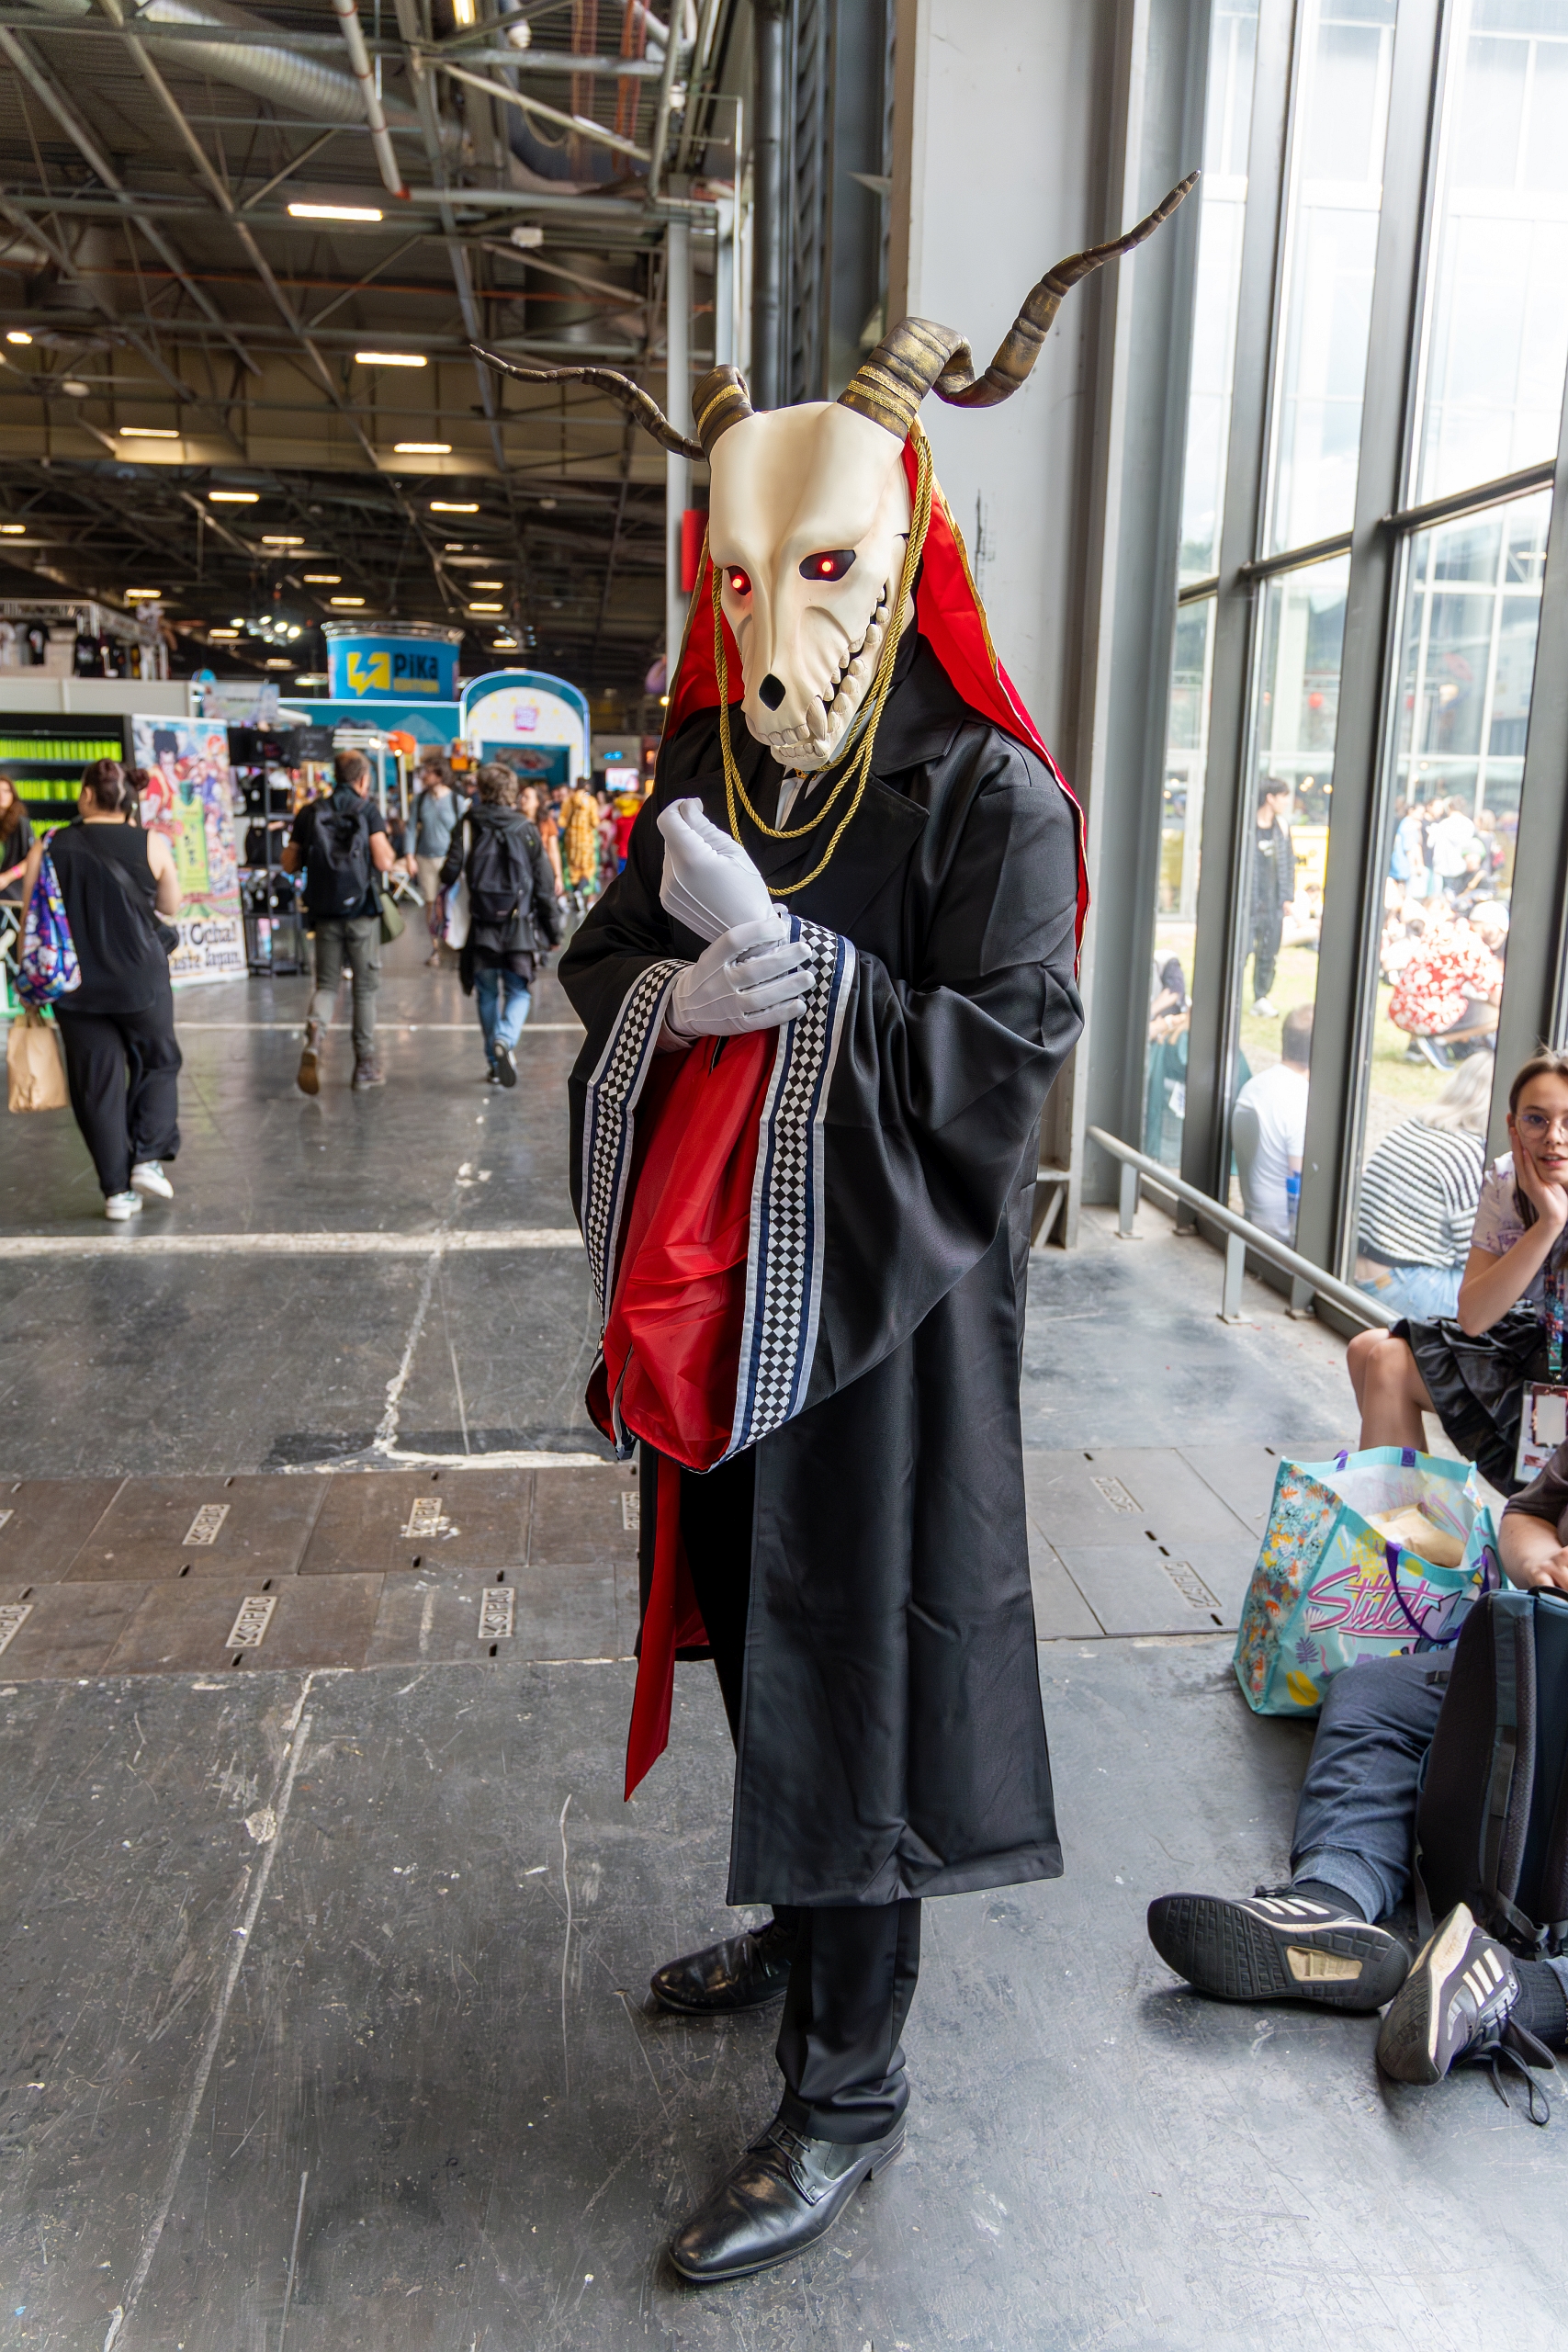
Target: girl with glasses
column 1471, row 1368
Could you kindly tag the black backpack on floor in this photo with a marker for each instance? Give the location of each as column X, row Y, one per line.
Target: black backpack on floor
column 338, row 865
column 1492, row 1823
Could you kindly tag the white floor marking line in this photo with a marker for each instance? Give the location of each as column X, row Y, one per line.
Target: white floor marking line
column 147, row 1241
column 241, row 1938
column 386, row 1429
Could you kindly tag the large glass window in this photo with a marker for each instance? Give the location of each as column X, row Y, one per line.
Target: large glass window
column 1472, row 606
column 1283, row 867
column 1223, row 195
column 1498, row 302
column 1336, row 193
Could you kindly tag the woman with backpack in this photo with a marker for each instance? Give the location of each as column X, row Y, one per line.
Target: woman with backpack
column 118, row 1026
column 510, row 916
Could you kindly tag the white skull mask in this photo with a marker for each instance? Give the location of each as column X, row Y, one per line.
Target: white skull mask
column 809, row 518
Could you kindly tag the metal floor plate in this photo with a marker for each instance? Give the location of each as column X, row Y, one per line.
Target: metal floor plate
column 44, row 1523
column 160, row 1529
column 586, row 1514
column 520, row 1615
column 1113, row 1496
column 64, row 1631
column 273, row 1621
column 421, row 1519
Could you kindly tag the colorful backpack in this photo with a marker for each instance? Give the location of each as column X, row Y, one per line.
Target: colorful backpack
column 47, row 967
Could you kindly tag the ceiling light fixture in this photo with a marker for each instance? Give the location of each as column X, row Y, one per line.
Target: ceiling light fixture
column 390, row 359
column 321, row 579
column 73, row 390
column 142, row 595
column 222, row 632
column 277, row 662
column 334, row 212
column 453, row 505
column 149, row 433
column 18, row 335
column 312, row 678
column 12, row 530
column 421, row 449
column 281, row 540
column 487, row 608
column 463, row 11
column 233, row 497
column 453, row 547
column 345, row 600
column 487, row 583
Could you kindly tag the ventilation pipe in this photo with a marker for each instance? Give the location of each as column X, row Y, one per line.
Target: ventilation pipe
column 768, row 389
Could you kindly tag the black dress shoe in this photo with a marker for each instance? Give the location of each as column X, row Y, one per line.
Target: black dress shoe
column 785, row 2194
column 741, row 1972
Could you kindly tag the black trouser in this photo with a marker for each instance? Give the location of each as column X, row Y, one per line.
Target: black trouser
column 123, row 1068
column 856, row 1965
column 1268, row 930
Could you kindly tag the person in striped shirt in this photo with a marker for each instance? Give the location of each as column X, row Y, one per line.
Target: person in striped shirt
column 1419, row 1190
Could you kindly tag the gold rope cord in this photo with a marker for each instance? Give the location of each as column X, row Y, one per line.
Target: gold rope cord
column 858, row 768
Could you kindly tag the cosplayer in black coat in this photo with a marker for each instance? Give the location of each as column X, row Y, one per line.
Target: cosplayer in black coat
column 891, row 1742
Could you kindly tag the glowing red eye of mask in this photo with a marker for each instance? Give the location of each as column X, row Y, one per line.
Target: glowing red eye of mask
column 830, row 565
column 739, row 582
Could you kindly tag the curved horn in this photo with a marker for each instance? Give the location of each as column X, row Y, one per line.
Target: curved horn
column 719, row 401
column 920, row 357
column 632, row 398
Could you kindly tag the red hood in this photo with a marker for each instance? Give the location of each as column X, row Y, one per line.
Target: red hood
column 948, row 615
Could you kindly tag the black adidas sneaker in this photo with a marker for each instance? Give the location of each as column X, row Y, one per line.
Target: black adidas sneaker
column 1278, row 1946
column 1458, row 2003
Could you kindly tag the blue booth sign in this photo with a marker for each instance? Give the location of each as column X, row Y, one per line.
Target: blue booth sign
column 418, row 660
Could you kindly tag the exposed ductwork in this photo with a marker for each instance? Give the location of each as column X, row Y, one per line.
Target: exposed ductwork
column 267, row 70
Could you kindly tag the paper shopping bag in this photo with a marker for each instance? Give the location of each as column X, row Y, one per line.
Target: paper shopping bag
column 35, row 1074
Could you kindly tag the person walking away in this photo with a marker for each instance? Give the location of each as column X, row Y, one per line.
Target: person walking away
column 118, row 1028
column 1271, row 1183
column 16, row 841
column 539, row 808
column 341, row 845
column 1418, row 1193
column 435, row 814
column 579, row 833
column 1273, row 889
column 513, row 913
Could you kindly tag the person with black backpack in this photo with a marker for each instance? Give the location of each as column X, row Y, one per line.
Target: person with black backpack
column 1440, row 1774
column 341, row 846
column 505, row 916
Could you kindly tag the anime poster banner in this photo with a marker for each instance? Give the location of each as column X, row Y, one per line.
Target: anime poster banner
column 189, row 800
column 1331, row 1585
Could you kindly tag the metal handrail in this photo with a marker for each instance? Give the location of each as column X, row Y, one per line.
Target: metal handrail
column 1242, row 1236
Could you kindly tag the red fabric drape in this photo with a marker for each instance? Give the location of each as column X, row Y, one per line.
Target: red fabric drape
column 673, row 1340
column 948, row 615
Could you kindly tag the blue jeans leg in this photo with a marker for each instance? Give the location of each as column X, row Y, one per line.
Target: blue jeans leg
column 516, row 1000
column 487, row 991
column 1356, row 1818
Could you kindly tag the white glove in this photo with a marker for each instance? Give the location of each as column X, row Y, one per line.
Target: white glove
column 710, row 884
column 749, row 978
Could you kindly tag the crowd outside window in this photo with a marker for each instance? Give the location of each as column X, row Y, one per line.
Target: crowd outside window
column 1449, row 984
column 1418, row 1193
column 436, row 811
column 1471, row 1369
column 16, row 840
column 1273, row 889
column 341, row 845
column 118, row 1026
column 514, row 912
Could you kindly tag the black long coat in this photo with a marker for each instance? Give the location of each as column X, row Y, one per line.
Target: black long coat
column 891, row 1742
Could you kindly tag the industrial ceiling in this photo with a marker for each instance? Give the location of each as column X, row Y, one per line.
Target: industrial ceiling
column 244, row 253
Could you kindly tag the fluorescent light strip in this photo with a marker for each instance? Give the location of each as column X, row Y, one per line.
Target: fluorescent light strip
column 233, row 497
column 334, row 212
column 421, row 449
column 390, row 359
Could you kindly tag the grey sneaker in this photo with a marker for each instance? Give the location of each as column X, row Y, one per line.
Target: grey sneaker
column 1458, row 2003
column 1278, row 1946
column 121, row 1206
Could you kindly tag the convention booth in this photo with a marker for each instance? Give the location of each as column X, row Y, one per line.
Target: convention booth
column 538, row 724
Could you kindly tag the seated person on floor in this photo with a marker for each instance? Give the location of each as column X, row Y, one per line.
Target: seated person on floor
column 1445, row 998
column 1321, row 1937
column 1472, row 1368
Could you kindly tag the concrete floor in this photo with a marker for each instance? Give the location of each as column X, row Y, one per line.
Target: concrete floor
column 349, row 1966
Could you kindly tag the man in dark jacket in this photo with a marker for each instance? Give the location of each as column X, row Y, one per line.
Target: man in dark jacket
column 1274, row 888
column 513, row 914
column 341, row 845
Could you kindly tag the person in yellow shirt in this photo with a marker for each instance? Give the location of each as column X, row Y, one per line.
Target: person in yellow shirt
column 579, row 833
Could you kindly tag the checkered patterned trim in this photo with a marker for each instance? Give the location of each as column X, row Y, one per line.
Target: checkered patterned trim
column 612, row 1090
column 784, row 1271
